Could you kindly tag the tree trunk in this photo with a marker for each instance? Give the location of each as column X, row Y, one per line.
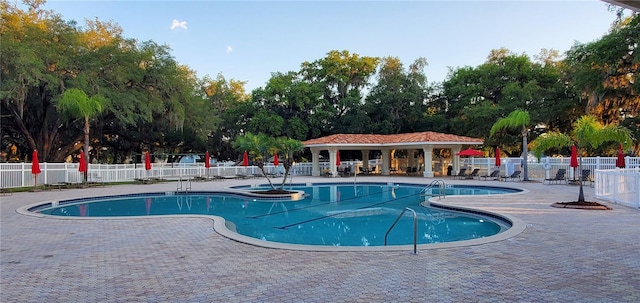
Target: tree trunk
column 86, row 145
column 525, row 156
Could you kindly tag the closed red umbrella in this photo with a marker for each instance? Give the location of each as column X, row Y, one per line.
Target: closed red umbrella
column 35, row 166
column 83, row 164
column 207, row 160
column 245, row 159
column 275, row 160
column 498, row 156
column 147, row 161
column 338, row 158
column 574, row 157
column 620, row 159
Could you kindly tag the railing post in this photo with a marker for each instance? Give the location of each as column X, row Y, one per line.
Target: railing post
column 22, row 171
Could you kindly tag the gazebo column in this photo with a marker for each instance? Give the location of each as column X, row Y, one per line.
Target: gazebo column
column 456, row 159
column 385, row 161
column 428, row 155
column 315, row 159
column 333, row 169
column 365, row 159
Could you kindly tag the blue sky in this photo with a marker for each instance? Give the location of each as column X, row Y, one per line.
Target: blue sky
column 249, row 40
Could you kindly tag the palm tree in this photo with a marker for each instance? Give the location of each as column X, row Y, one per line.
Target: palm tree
column 261, row 146
column 517, row 119
column 288, row 147
column 587, row 133
column 75, row 104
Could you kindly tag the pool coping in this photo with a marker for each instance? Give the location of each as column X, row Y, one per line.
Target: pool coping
column 225, row 229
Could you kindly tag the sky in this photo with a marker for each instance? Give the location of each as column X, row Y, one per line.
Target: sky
column 250, row 40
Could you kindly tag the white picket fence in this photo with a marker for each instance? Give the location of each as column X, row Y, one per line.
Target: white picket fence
column 19, row 174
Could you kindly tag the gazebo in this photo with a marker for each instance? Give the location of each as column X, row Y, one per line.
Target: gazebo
column 412, row 143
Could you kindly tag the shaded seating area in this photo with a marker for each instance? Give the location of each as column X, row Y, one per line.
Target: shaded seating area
column 512, row 177
column 493, row 175
column 560, row 177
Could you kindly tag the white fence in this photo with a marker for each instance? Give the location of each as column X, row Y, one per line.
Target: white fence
column 19, row 174
column 619, row 186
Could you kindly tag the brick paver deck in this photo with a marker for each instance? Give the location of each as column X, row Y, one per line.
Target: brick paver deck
column 564, row 255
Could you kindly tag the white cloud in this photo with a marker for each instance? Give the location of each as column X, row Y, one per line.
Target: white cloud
column 229, row 49
column 175, row 24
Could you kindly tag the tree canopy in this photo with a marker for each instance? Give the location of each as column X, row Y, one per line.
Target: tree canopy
column 152, row 102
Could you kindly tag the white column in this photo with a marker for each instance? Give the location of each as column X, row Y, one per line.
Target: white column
column 385, row 162
column 315, row 159
column 332, row 162
column 456, row 159
column 428, row 167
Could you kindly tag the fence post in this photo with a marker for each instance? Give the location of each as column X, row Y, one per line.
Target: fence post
column 22, row 171
column 637, row 186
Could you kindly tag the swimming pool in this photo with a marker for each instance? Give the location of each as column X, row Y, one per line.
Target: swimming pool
column 335, row 215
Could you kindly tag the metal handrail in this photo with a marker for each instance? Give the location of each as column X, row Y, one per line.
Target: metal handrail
column 442, row 191
column 415, row 229
column 187, row 187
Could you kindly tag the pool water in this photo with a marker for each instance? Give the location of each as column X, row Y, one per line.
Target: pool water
column 331, row 214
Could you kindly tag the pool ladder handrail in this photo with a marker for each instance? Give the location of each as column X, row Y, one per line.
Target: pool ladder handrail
column 415, row 228
column 187, row 186
column 442, row 189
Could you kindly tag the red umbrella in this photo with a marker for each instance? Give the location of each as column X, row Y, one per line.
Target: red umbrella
column 338, row 158
column 83, row 164
column 275, row 160
column 207, row 161
column 620, row 159
column 35, row 166
column 470, row 153
column 147, row 161
column 574, row 157
column 245, row 159
column 498, row 156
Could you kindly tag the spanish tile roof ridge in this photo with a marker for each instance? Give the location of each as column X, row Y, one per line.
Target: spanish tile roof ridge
column 426, row 136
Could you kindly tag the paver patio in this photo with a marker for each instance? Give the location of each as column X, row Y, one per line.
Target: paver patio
column 564, row 255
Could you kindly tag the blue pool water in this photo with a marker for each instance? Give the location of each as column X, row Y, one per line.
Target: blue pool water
column 331, row 214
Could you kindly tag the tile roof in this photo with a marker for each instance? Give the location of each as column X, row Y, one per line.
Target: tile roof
column 371, row 139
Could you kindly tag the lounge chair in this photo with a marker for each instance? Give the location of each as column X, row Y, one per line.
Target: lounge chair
column 346, row 172
column 560, row 176
column 494, row 175
column 515, row 175
column 363, row 171
column 461, row 174
column 473, row 174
